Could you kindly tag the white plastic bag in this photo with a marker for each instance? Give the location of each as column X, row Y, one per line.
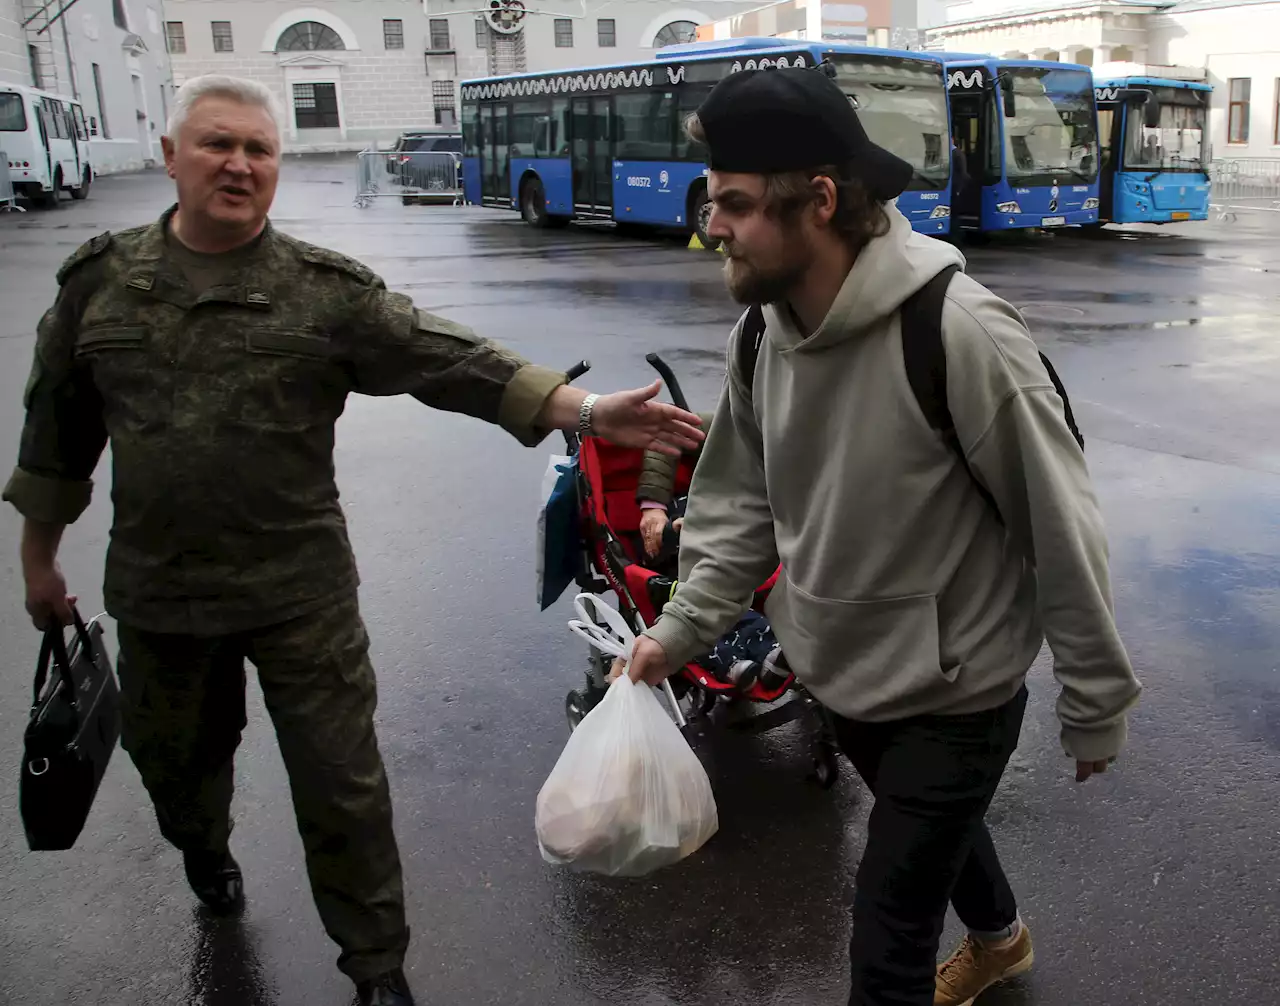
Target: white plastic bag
column 628, row 795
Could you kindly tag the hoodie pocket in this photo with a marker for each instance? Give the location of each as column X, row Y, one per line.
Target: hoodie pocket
column 875, row 658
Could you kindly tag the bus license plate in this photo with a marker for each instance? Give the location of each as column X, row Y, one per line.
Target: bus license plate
column 1179, row 215
column 1053, row 222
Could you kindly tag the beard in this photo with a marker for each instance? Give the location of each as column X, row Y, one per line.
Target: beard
column 750, row 284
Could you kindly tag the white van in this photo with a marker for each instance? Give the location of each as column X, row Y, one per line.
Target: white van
column 46, row 141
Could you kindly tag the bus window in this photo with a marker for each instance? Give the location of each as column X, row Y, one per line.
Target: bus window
column 525, row 119
column 13, row 118
column 82, row 130
column 1106, row 142
column 645, row 125
column 470, row 129
column 559, row 127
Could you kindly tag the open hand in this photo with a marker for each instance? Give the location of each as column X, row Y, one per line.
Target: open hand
column 634, row 419
column 649, row 662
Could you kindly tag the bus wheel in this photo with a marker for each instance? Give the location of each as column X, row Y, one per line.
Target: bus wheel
column 700, row 215
column 533, row 204
column 81, row 191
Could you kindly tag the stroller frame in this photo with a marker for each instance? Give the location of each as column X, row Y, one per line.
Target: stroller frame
column 692, row 693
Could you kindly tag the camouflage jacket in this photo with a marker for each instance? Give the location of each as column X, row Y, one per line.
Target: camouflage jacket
column 220, row 412
column 658, row 474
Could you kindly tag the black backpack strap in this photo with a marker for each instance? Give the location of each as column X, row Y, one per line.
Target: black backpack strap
column 925, row 358
column 1066, row 402
column 749, row 342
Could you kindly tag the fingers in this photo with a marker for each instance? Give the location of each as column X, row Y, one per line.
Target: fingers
column 1085, row 769
column 637, row 396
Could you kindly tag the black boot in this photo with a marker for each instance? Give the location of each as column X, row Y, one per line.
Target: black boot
column 216, row 879
column 389, row 989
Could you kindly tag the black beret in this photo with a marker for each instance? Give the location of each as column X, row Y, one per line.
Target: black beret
column 793, row 119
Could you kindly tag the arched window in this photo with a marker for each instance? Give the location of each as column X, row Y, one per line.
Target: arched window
column 306, row 36
column 676, row 31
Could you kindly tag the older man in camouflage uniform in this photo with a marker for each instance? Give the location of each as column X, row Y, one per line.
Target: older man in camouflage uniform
column 215, row 354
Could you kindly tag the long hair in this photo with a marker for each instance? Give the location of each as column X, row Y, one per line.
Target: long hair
column 858, row 217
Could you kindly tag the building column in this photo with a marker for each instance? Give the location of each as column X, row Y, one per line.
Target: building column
column 1102, row 54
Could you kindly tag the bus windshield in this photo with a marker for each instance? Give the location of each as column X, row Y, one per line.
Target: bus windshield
column 1178, row 143
column 902, row 104
column 1051, row 132
column 13, row 118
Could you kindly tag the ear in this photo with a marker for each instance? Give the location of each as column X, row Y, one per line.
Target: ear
column 824, row 199
column 166, row 144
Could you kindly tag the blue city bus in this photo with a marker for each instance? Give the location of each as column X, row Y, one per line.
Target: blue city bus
column 1025, row 134
column 1155, row 149
column 608, row 142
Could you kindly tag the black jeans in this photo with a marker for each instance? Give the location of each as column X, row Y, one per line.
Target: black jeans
column 933, row 778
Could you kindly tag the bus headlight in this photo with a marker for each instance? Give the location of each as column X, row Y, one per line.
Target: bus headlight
column 1011, row 207
column 939, row 212
column 1090, row 204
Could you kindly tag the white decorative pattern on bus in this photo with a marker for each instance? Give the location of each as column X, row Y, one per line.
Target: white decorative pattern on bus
column 1106, row 93
column 529, row 87
column 958, row 79
column 765, row 63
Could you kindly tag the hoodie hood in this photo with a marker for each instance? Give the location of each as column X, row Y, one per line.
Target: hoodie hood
column 888, row 271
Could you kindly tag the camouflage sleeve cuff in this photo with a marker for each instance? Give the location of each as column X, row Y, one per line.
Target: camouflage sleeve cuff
column 522, row 401
column 49, row 500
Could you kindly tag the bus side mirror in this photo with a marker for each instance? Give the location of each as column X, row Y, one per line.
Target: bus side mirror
column 1006, row 97
column 1151, row 113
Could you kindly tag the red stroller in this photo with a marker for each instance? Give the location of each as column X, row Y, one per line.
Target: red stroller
column 612, row 559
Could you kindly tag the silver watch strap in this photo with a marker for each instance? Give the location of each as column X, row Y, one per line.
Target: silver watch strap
column 584, row 414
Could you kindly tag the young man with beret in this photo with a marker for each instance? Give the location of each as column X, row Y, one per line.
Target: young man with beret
column 921, row 573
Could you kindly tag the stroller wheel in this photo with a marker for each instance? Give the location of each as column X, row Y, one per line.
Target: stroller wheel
column 826, row 767
column 575, row 708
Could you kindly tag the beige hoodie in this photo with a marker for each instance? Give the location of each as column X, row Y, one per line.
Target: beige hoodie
column 901, row 592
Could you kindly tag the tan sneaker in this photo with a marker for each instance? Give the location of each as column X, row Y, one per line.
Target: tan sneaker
column 974, row 968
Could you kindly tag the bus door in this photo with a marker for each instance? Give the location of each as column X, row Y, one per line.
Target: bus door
column 1110, row 147
column 969, row 134
column 495, row 152
column 44, row 118
column 81, row 133
column 592, row 154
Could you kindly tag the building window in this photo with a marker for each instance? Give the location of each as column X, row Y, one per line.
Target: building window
column 606, row 33
column 309, row 36
column 37, row 78
column 118, row 15
column 482, row 34
column 222, row 36
column 1239, row 89
column 102, row 105
column 175, row 36
column 564, row 33
column 393, row 33
column 675, row 32
column 315, row 106
column 439, row 27
column 443, row 100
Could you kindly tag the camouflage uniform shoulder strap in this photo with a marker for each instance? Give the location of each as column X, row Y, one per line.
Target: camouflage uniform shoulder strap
column 329, row 259
column 91, row 249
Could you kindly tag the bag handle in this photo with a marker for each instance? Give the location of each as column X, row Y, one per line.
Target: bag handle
column 54, row 645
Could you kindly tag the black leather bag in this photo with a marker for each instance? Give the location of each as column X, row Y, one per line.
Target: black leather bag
column 73, row 729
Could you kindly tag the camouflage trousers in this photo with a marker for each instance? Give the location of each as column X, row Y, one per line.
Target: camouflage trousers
column 183, row 713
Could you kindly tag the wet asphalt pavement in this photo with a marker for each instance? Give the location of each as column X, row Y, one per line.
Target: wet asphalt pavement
column 1155, row 885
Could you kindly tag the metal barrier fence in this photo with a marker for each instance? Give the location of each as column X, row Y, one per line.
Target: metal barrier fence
column 8, row 201
column 1245, row 185
column 413, row 176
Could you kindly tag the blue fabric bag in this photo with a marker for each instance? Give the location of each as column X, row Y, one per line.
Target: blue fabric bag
column 559, row 537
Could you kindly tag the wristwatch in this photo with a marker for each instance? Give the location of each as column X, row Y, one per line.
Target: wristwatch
column 584, row 414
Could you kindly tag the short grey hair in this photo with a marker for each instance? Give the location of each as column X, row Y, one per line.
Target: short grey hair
column 217, row 85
